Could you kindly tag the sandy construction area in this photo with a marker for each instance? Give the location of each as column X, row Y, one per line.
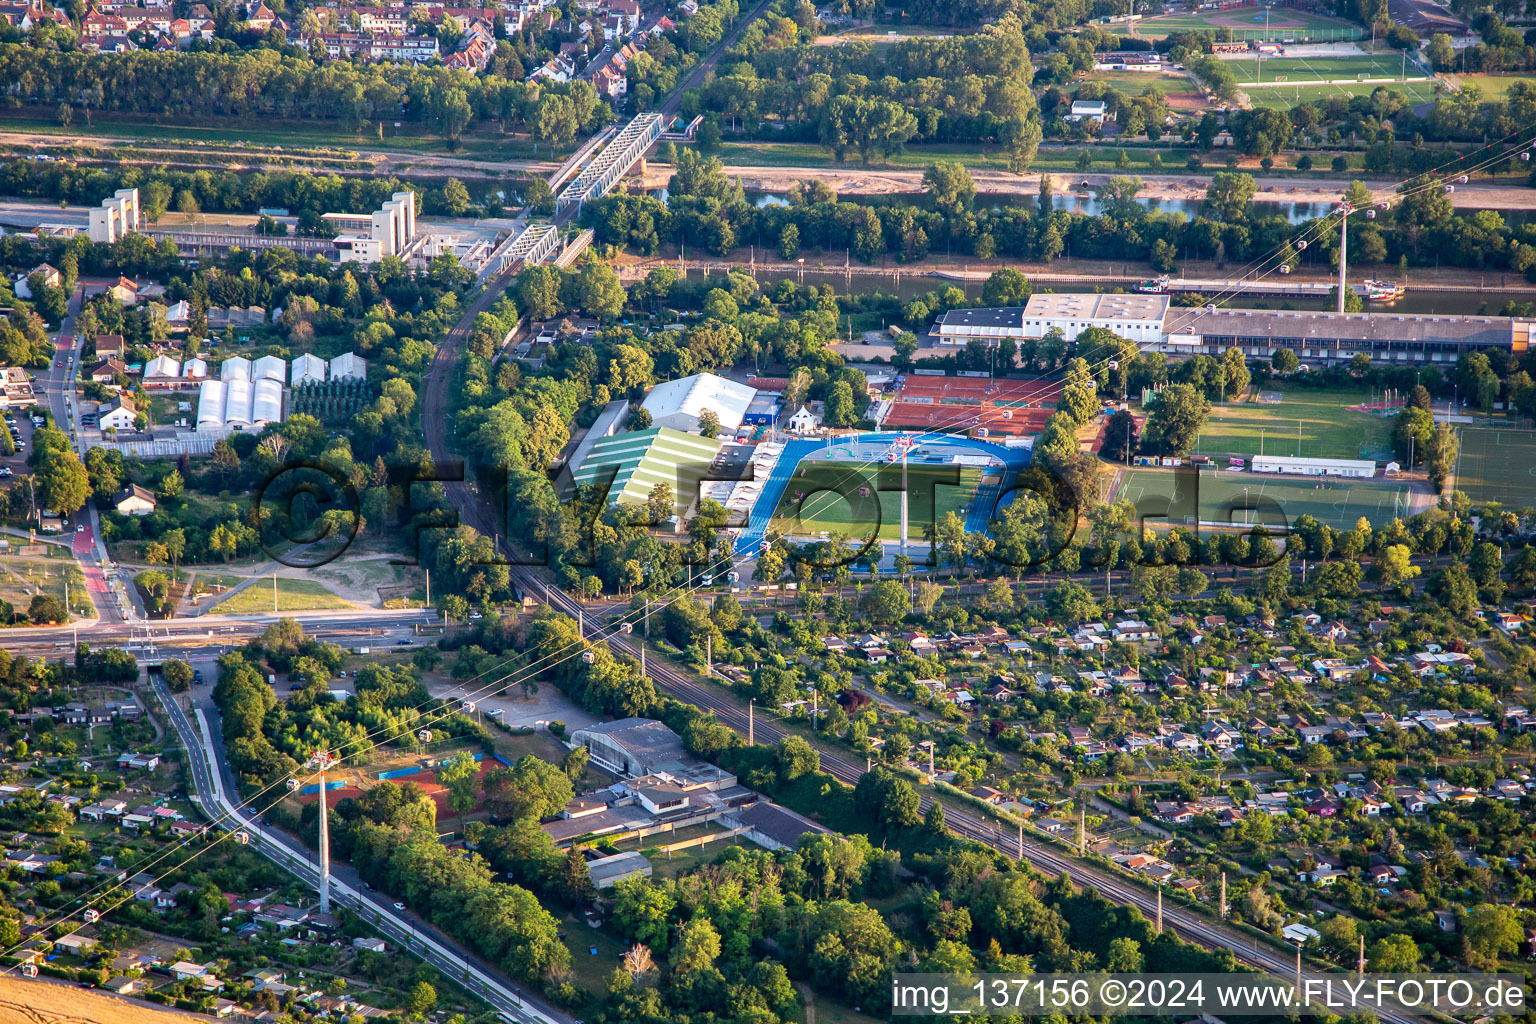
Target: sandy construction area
column 26, row 1001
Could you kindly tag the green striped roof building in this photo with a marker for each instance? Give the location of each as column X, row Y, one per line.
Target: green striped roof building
column 641, row 459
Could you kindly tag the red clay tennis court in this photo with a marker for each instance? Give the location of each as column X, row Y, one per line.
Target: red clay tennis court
column 964, row 403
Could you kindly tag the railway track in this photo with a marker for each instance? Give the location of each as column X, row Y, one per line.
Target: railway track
column 475, row 512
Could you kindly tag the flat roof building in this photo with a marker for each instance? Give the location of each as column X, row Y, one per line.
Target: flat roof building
column 1316, row 337
column 1358, row 469
column 630, row 746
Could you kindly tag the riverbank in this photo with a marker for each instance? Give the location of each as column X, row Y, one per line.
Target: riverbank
column 1062, row 274
column 1183, row 187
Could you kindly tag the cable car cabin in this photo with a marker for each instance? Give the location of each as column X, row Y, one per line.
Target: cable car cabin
column 588, row 657
column 469, row 707
column 242, row 837
column 627, row 628
column 91, row 916
column 293, row 785
column 30, row 970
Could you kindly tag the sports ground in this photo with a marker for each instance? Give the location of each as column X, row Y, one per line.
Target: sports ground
column 1498, row 464
column 944, row 472
column 1323, row 422
column 1248, row 23
column 1318, row 69
column 858, row 501
column 1286, row 96
column 1274, row 501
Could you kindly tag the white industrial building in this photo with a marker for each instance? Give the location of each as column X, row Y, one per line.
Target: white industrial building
column 349, row 365
column 195, row 367
column 388, row 231
column 115, row 217
column 1316, row 337
column 235, row 368
column 1136, row 317
column 1355, row 469
column 679, row 403
column 307, row 368
column 272, row 367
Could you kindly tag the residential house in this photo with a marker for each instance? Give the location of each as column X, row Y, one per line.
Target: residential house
column 134, row 500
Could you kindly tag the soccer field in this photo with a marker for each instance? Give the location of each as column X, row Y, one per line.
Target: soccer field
column 1328, row 428
column 1286, row 96
column 1216, row 496
column 1498, row 464
column 1248, row 23
column 1317, row 69
column 857, row 499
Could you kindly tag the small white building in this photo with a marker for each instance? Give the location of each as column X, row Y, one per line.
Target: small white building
column 1088, row 110
column 803, row 421
column 1354, row 469
column 349, row 365
column 269, row 368
column 307, row 368
column 235, row 368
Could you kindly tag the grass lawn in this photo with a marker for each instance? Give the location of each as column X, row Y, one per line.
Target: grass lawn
column 1495, row 87
column 1328, row 428
column 1285, row 97
column 855, row 500
column 292, row 596
column 1136, row 83
column 1317, row 69
column 21, row 580
column 590, row 970
column 1280, row 500
column 1498, row 464
column 482, row 142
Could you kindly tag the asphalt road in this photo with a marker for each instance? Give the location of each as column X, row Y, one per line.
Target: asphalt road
column 213, row 789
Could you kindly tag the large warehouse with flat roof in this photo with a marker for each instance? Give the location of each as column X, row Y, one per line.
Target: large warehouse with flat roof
column 631, row 465
column 1315, row 337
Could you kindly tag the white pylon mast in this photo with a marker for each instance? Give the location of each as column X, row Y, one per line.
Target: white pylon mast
column 320, row 760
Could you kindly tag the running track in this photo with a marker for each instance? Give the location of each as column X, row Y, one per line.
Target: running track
column 983, row 506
